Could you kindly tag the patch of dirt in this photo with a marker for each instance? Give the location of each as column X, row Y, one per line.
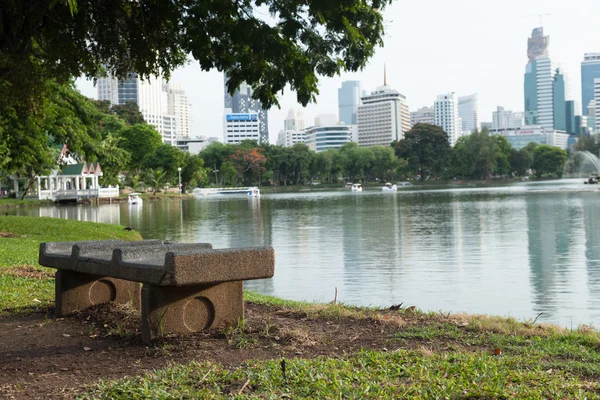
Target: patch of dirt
column 28, row 272
column 8, row 235
column 53, row 358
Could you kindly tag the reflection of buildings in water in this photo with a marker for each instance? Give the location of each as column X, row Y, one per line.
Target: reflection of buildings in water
column 104, row 213
column 550, row 228
column 591, row 222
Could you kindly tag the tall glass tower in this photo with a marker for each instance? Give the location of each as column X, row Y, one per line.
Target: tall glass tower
column 590, row 69
column 348, row 101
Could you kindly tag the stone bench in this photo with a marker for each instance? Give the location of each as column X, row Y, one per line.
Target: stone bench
column 185, row 287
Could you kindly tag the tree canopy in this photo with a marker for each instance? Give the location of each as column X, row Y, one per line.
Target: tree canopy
column 426, row 148
column 267, row 43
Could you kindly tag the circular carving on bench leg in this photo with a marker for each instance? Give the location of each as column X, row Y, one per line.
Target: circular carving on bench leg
column 102, row 291
column 198, row 314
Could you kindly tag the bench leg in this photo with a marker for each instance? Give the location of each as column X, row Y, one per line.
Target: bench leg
column 186, row 309
column 76, row 291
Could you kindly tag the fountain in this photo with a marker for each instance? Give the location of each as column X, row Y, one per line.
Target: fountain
column 583, row 164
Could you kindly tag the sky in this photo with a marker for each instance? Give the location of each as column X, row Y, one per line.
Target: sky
column 432, row 47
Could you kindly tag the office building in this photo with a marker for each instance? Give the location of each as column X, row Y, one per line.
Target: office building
column 537, row 44
column 348, row 101
column 486, row 125
column 446, row 116
column 193, row 145
column 328, row 136
column 423, row 115
column 521, row 137
column 506, row 119
column 594, row 105
column 241, row 102
column 290, row 138
column 382, row 117
column 238, row 127
column 468, row 111
column 180, row 107
column 163, row 105
column 590, row 70
column 294, row 121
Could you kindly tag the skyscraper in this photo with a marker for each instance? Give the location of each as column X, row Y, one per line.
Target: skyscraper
column 590, row 70
column 537, row 44
column 382, row 117
column 179, row 106
column 242, row 102
column 595, row 103
column 348, row 101
column 151, row 96
column 468, row 111
column 446, row 116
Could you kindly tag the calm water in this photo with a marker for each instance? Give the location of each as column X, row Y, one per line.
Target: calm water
column 514, row 250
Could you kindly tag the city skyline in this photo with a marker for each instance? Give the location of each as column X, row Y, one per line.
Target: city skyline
column 429, row 66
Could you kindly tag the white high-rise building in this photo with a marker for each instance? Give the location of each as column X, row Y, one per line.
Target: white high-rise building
column 179, row 106
column 423, row 115
column 294, row 121
column 468, row 111
column 446, row 116
column 241, row 126
column 545, row 72
column 328, row 133
column 595, row 102
column 506, row 119
column 162, row 105
column 382, row 117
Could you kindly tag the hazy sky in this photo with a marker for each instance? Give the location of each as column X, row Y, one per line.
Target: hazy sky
column 433, row 47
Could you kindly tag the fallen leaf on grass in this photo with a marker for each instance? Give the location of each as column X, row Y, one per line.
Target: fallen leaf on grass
column 87, row 348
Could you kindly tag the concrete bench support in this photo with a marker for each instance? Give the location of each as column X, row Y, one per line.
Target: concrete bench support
column 76, row 291
column 187, row 309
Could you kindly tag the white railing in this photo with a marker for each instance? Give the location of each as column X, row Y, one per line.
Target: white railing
column 109, row 192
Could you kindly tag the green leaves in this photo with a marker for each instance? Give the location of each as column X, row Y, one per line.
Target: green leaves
column 299, row 40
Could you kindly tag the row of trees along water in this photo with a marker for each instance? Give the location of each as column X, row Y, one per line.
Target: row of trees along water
column 118, row 138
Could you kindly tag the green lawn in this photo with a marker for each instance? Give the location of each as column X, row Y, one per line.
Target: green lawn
column 20, row 239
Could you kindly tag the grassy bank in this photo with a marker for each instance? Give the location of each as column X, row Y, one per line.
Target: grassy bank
column 23, row 203
column 23, row 282
column 426, row 356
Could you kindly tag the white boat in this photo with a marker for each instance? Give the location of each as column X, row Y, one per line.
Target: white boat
column 356, row 187
column 388, row 187
column 218, row 192
column 134, row 198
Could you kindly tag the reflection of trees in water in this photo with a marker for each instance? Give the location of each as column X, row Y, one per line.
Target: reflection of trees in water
column 550, row 229
column 591, row 221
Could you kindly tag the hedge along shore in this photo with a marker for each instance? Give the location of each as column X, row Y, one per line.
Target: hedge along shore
column 283, row 349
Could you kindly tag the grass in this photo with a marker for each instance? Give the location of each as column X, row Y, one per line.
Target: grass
column 23, row 203
column 406, row 374
column 21, row 286
column 437, row 356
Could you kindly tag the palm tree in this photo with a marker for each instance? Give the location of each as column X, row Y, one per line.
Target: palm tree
column 134, row 181
column 156, row 178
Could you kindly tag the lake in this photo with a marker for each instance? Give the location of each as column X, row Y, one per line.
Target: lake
column 516, row 250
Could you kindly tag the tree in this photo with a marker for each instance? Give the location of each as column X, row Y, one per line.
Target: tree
column 384, row 164
column 426, row 149
column 549, row 160
column 113, row 160
column 194, row 173
column 299, row 41
column 214, row 155
column 249, row 160
column 140, row 140
column 356, row 160
column 168, row 158
column 156, row 178
column 128, row 112
column 520, row 161
column 301, row 159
